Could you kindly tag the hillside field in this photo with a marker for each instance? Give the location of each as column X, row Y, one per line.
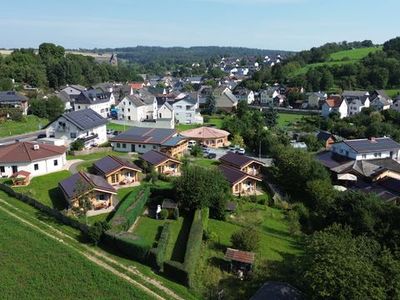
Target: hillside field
column 33, row 266
column 340, row 58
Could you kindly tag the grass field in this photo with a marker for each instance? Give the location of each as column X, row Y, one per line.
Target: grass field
column 45, row 189
column 286, row 119
column 117, row 127
column 34, row 266
column 28, row 124
column 204, row 162
column 212, row 121
column 96, row 156
column 340, row 58
column 149, row 229
column 393, row 93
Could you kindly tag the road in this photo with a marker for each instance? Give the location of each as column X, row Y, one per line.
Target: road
column 22, row 137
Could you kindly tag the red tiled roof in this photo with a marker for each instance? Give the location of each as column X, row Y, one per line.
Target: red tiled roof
column 25, row 152
column 137, row 85
column 21, row 173
column 238, row 255
column 334, row 101
column 205, row 133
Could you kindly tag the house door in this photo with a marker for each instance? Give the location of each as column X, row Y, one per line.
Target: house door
column 133, row 148
column 14, row 169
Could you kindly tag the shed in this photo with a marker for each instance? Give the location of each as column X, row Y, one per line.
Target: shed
column 239, row 260
column 21, row 178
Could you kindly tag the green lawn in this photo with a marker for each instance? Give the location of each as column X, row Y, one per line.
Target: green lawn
column 117, row 127
column 205, row 162
column 149, row 229
column 28, row 124
column 183, row 127
column 45, row 189
column 393, row 93
column 33, row 266
column 212, row 121
column 96, row 156
column 286, row 119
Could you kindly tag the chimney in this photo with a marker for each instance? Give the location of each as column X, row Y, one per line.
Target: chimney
column 372, row 139
column 35, row 146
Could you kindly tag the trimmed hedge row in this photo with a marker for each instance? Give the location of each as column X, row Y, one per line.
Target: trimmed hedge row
column 45, row 209
column 132, row 248
column 159, row 252
column 193, row 246
column 131, row 208
column 184, row 272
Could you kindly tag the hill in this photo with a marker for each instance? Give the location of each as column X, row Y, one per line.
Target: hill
column 339, row 58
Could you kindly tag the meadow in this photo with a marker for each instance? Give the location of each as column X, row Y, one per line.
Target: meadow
column 28, row 124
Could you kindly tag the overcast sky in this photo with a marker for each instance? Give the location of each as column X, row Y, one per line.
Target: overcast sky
column 267, row 24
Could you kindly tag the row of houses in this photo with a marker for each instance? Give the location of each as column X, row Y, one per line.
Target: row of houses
column 350, row 103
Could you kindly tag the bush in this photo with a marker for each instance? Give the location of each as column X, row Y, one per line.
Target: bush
column 164, row 214
column 77, row 145
column 176, row 214
column 162, row 246
column 196, row 151
column 95, row 232
column 246, row 239
column 210, row 236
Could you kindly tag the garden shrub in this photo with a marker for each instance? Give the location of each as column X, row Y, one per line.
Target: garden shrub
column 176, row 271
column 162, row 245
column 164, row 214
column 135, row 249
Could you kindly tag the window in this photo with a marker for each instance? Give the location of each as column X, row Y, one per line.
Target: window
column 123, row 145
column 73, row 135
column 2, row 169
column 129, row 110
column 130, row 103
column 36, row 167
column 160, row 115
column 118, row 145
column 102, row 197
column 113, row 178
column 154, row 147
column 55, row 162
column 377, row 154
column 364, row 156
column 79, row 107
column 140, row 146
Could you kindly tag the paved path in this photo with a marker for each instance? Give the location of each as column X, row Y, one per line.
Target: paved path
column 72, row 165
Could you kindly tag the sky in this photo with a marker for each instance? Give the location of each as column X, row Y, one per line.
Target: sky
column 266, row 24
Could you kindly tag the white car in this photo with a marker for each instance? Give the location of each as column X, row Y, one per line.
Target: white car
column 240, row 151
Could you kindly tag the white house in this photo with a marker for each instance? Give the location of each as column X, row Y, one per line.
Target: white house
column 315, row 99
column 380, row 100
column 356, row 100
column 186, row 110
column 366, row 149
column 244, row 95
column 37, row 159
column 96, row 100
column 85, row 124
column 267, row 96
column 139, row 106
column 335, row 103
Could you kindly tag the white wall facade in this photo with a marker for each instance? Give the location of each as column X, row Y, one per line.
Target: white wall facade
column 344, row 150
column 36, row 168
column 138, row 148
column 185, row 112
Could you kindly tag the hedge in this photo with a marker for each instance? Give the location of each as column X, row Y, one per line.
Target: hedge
column 131, row 208
column 133, row 248
column 184, row 272
column 193, row 246
column 162, row 246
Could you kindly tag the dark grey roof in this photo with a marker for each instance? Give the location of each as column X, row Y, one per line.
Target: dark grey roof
column 145, row 96
column 81, row 183
column 324, row 135
column 135, row 100
column 233, row 175
column 381, row 93
column 155, row 157
column 188, row 99
column 111, row 163
column 173, row 141
column 272, row 290
column 85, row 119
column 12, row 97
column 92, row 96
column 169, row 204
column 368, row 145
column 237, row 160
column 354, row 94
column 145, row 135
column 64, row 96
column 330, row 160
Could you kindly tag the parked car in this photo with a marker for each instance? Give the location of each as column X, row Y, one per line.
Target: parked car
column 240, row 151
column 232, row 149
column 212, row 155
column 41, row 136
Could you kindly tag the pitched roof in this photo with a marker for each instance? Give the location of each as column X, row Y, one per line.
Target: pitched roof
column 137, row 85
column 135, row 100
column 145, row 135
column 354, row 93
column 272, row 290
column 238, row 160
column 11, row 96
column 238, row 255
column 173, row 141
column 110, row 163
column 155, row 157
column 205, row 133
column 92, row 96
column 324, row 135
column 334, row 101
column 81, row 183
column 233, row 175
column 373, row 144
column 25, row 152
column 85, row 119
column 21, row 174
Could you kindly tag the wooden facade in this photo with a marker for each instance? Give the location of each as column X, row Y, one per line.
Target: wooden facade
column 123, row 176
column 169, row 167
column 246, row 186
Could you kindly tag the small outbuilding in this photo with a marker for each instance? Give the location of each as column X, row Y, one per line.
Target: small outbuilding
column 239, row 260
column 21, row 178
